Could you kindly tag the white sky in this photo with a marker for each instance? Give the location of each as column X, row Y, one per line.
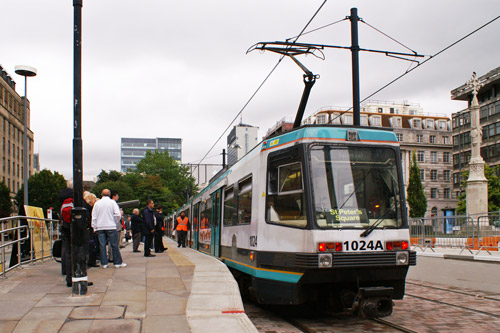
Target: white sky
column 179, row 68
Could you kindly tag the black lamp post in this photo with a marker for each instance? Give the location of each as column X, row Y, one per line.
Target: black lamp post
column 25, row 71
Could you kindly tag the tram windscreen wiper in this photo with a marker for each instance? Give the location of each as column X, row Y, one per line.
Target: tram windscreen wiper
column 376, row 224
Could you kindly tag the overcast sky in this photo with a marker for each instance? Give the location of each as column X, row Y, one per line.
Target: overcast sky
column 179, row 68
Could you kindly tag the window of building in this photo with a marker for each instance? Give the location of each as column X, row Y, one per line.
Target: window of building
column 420, row 156
column 446, row 175
column 420, row 138
column 391, row 110
column 443, row 125
column 429, row 124
column 434, row 193
column 347, row 119
column 335, row 118
column 380, row 110
column 446, row 157
column 321, row 119
column 434, row 156
column 432, row 139
column 434, row 175
column 399, row 136
column 446, row 140
column 245, row 201
column 422, row 174
column 416, row 123
column 447, row 193
column 364, row 120
column 396, row 122
column 376, row 120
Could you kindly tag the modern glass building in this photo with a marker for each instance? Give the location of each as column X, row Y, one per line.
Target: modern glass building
column 134, row 149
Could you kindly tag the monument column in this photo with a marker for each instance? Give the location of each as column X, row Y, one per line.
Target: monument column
column 477, row 184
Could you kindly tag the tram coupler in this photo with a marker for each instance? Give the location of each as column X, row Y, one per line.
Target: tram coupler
column 373, row 302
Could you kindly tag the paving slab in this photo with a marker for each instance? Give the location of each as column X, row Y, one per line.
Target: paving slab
column 98, row 312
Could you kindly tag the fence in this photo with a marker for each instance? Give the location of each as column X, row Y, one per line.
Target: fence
column 479, row 233
column 26, row 240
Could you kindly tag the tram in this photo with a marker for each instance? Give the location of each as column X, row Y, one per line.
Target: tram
column 314, row 215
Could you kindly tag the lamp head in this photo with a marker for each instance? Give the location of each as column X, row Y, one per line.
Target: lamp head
column 24, row 70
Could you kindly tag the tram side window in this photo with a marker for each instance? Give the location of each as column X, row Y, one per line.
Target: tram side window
column 230, row 215
column 285, row 195
column 245, row 201
column 206, row 214
column 195, row 216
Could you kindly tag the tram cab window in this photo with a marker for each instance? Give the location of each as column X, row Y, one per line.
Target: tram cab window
column 285, row 195
column 355, row 187
column 230, row 212
column 245, row 201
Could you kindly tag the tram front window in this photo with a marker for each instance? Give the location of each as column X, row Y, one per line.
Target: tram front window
column 355, row 187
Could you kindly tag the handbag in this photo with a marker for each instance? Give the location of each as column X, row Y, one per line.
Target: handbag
column 57, row 249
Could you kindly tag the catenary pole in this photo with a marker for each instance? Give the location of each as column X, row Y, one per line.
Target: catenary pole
column 355, row 66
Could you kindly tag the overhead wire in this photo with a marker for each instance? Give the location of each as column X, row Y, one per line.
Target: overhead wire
column 423, row 62
column 263, row 82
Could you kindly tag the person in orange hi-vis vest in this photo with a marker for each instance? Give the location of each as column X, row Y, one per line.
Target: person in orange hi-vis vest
column 182, row 228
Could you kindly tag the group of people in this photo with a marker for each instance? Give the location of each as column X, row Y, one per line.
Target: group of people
column 107, row 229
column 149, row 228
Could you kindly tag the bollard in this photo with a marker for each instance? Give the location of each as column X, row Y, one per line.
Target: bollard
column 79, row 250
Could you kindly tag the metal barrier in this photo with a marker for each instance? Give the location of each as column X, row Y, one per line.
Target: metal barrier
column 17, row 232
column 481, row 233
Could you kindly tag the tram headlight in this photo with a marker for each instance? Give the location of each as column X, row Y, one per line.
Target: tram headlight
column 325, row 260
column 401, row 258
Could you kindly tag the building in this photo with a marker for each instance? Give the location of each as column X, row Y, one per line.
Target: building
column 281, row 126
column 12, row 133
column 134, row 149
column 240, row 141
column 489, row 108
column 429, row 136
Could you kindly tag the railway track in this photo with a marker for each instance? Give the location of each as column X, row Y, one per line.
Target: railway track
column 427, row 307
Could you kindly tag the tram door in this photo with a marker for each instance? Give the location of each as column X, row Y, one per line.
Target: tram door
column 195, row 225
column 216, row 216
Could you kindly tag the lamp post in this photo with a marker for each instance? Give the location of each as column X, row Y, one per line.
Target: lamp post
column 25, row 71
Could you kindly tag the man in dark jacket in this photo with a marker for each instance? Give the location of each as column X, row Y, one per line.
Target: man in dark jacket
column 136, row 222
column 148, row 227
column 159, row 248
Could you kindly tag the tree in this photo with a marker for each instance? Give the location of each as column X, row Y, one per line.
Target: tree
column 491, row 173
column 5, row 201
column 124, row 190
column 112, row 176
column 174, row 177
column 416, row 196
column 43, row 190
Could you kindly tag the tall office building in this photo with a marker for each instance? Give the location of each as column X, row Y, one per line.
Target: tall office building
column 12, row 133
column 240, row 141
column 489, row 115
column 429, row 136
column 134, row 149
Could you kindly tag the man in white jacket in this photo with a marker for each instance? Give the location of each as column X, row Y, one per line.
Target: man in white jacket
column 105, row 215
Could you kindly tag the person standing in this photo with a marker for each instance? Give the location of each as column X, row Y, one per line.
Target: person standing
column 65, row 219
column 89, row 202
column 136, row 222
column 148, row 227
column 181, row 227
column 119, row 224
column 105, row 216
column 158, row 236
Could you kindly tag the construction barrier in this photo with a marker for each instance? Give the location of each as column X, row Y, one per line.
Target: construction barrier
column 465, row 233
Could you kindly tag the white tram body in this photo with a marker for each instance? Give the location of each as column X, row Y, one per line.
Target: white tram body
column 314, row 215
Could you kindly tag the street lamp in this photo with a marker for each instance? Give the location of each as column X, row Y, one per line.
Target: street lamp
column 25, row 71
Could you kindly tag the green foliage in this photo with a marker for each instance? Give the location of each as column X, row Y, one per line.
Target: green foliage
column 112, row 176
column 43, row 190
column 157, row 176
column 491, row 173
column 416, row 196
column 5, row 201
column 171, row 175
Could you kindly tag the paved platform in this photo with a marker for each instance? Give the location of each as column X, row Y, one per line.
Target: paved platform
column 180, row 290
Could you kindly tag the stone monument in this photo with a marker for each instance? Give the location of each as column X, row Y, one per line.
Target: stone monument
column 477, row 184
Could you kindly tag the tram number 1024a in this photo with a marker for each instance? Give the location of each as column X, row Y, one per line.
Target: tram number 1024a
column 363, row 245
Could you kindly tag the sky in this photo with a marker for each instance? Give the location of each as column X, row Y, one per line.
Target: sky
column 180, row 69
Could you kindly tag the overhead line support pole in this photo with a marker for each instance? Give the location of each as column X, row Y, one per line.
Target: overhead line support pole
column 355, row 66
